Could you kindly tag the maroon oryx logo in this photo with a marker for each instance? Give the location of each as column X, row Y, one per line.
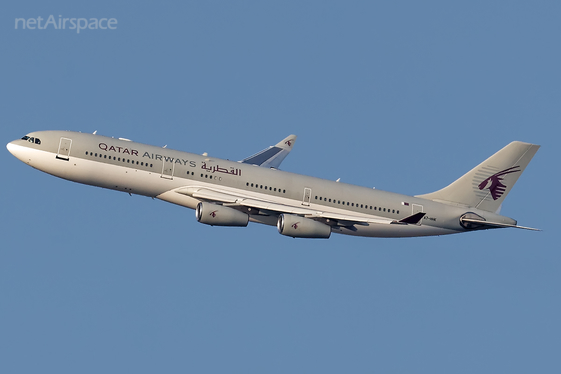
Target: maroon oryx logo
column 288, row 143
column 213, row 213
column 295, row 225
column 493, row 183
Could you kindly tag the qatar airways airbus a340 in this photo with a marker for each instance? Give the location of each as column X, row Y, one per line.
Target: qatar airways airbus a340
column 228, row 193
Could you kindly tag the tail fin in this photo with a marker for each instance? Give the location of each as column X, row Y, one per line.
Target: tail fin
column 486, row 186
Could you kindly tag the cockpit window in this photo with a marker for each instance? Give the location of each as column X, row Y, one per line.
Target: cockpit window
column 32, row 140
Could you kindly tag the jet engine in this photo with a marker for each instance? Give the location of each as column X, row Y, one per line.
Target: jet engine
column 218, row 215
column 300, row 227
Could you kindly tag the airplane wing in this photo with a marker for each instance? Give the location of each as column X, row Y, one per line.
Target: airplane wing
column 273, row 156
column 268, row 208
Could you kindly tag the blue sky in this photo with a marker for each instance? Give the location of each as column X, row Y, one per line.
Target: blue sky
column 403, row 96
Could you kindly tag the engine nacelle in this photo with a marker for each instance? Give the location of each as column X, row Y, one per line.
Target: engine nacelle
column 218, row 215
column 300, row 227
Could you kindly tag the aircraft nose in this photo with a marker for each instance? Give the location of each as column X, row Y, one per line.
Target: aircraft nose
column 17, row 150
column 11, row 147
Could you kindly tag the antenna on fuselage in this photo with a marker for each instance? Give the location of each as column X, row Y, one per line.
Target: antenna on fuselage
column 95, row 132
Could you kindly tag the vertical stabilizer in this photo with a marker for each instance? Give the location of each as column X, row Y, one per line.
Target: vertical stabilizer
column 486, row 186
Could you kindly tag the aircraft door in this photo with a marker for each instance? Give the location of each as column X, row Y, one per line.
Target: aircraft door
column 307, row 196
column 167, row 169
column 64, row 149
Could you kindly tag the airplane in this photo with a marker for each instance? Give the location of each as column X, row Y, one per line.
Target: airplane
column 230, row 193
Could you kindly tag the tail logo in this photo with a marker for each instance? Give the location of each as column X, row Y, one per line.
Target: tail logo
column 288, row 143
column 494, row 182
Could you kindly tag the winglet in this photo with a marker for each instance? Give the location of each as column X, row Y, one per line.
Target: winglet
column 412, row 219
column 273, row 156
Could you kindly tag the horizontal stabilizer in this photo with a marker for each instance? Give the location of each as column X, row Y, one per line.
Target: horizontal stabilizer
column 496, row 224
column 273, row 156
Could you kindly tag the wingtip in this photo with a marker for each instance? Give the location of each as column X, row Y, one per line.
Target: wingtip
column 287, row 142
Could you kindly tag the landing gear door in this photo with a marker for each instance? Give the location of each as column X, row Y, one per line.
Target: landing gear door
column 64, row 149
